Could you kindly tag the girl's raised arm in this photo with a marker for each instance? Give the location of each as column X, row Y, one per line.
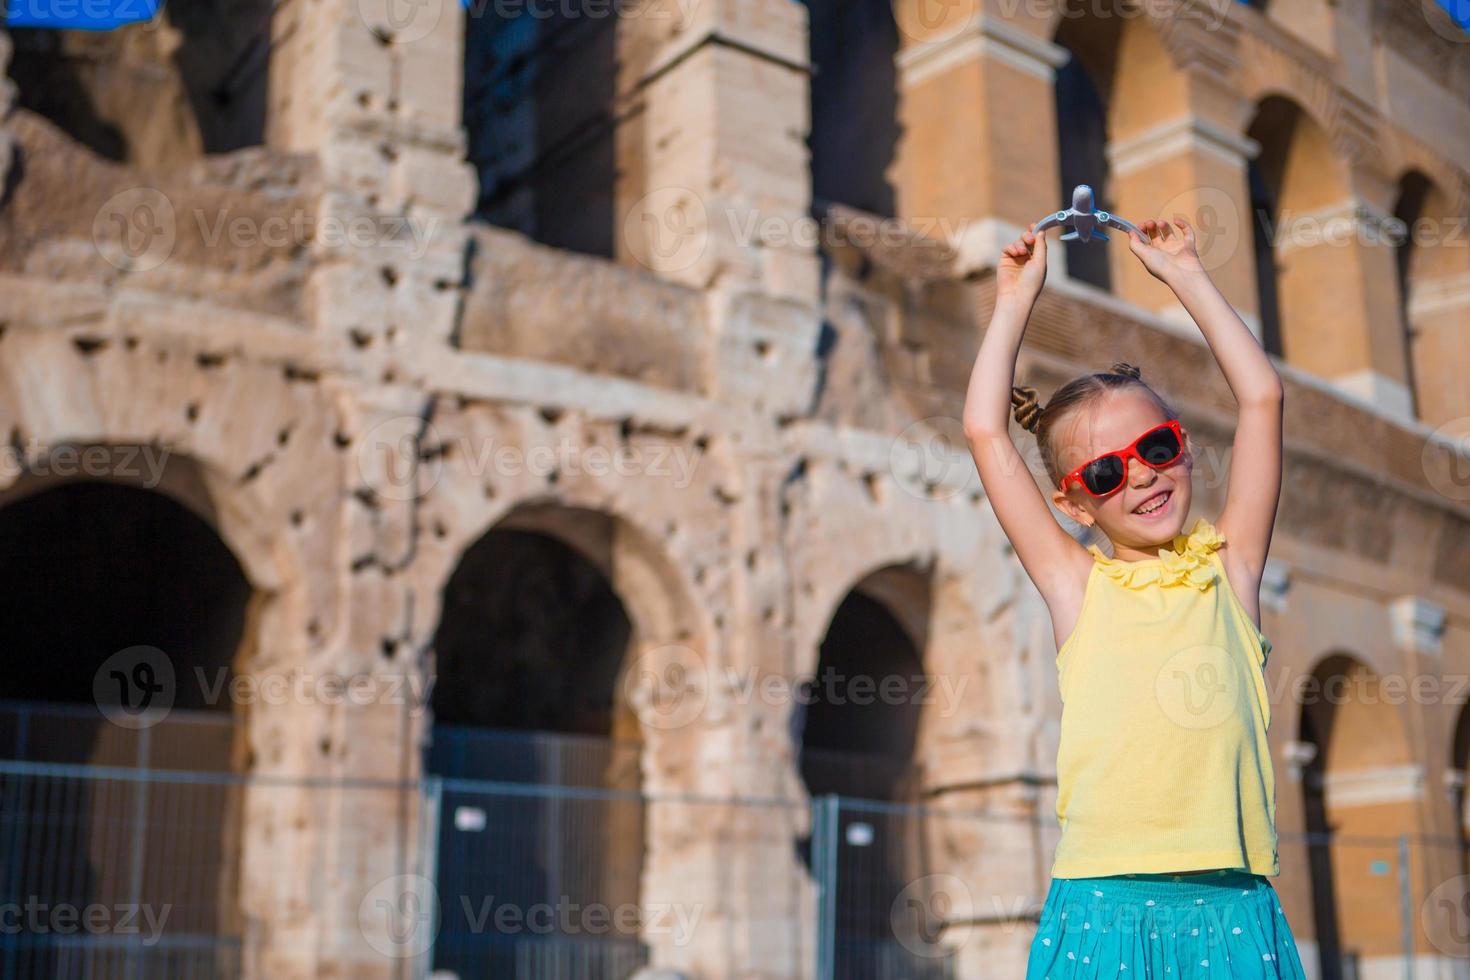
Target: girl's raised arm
column 1255, row 458
column 1055, row 562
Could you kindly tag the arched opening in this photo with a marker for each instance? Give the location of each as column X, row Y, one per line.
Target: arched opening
column 1359, row 790
column 854, row 104
column 1299, row 195
column 191, row 82
column 530, row 653
column 1083, row 94
column 860, row 727
column 1433, row 266
column 540, row 115
column 1460, row 772
column 118, row 599
column 862, row 745
column 1408, row 210
column 1264, row 212
column 97, row 569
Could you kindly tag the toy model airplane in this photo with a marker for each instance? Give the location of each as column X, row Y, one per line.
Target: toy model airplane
column 1086, row 224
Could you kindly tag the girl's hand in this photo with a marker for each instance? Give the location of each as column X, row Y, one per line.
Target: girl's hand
column 1022, row 269
column 1164, row 252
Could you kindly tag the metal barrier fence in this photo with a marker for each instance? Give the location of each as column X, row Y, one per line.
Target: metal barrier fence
column 113, row 872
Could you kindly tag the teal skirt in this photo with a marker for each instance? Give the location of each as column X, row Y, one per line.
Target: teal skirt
column 1164, row 927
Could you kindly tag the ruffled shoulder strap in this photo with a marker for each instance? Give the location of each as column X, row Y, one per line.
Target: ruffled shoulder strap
column 1185, row 562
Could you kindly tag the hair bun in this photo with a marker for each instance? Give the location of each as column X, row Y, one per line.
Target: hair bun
column 1123, row 367
column 1027, row 407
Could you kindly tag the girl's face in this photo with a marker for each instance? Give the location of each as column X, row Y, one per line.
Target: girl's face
column 1150, row 507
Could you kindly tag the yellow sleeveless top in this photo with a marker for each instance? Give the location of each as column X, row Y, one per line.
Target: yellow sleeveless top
column 1163, row 763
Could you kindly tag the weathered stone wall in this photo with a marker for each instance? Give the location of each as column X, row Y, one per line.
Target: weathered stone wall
column 790, row 411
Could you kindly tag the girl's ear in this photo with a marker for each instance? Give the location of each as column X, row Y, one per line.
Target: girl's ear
column 1067, row 506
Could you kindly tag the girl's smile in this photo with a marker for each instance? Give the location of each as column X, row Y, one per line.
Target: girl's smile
column 1156, row 506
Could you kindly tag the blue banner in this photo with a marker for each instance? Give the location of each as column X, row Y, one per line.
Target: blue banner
column 80, row 15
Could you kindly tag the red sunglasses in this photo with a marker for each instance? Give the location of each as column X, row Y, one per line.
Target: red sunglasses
column 1156, row 448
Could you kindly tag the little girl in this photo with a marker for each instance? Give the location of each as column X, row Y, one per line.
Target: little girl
column 1165, row 791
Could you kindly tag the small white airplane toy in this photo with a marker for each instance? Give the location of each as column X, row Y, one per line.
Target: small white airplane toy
column 1086, row 224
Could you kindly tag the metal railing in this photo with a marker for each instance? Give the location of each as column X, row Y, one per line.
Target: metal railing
column 117, row 873
column 132, row 873
column 67, row 734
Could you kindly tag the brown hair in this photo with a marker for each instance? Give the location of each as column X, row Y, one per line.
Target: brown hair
column 1042, row 421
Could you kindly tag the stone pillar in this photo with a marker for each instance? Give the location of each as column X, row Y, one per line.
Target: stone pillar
column 1418, row 626
column 1176, row 146
column 714, row 186
column 978, row 118
column 1338, row 283
column 372, row 90
column 991, row 762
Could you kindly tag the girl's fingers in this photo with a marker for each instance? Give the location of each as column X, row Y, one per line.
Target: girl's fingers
column 1185, row 227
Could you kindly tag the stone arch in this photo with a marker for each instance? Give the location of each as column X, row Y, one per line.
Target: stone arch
column 273, row 489
column 1361, row 786
column 1297, row 181
column 859, row 731
column 865, row 743
column 587, row 593
column 69, row 484
column 123, row 572
column 645, row 581
column 920, row 565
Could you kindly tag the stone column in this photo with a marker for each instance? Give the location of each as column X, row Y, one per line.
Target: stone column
column 990, row 761
column 978, row 118
column 372, row 90
column 1338, row 282
column 1177, row 146
column 1418, row 629
column 714, row 185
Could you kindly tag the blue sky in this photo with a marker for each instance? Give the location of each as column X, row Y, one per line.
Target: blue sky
column 1459, row 10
